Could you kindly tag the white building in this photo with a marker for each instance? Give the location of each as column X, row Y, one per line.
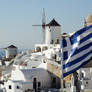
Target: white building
column 11, row 51
column 86, row 77
column 24, row 79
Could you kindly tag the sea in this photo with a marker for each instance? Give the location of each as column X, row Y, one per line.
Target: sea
column 2, row 52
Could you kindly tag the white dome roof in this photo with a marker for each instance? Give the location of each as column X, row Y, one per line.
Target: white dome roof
column 28, row 74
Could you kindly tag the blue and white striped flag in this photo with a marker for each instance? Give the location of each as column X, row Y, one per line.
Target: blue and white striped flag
column 76, row 50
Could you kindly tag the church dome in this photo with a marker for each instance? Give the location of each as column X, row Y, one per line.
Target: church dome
column 89, row 19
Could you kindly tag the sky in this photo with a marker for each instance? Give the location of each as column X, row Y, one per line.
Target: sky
column 18, row 16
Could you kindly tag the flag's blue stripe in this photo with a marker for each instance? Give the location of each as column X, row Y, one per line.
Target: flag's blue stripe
column 73, row 39
column 65, row 55
column 86, row 38
column 82, row 48
column 76, row 34
column 64, row 42
column 61, row 43
column 83, row 40
column 84, row 63
column 82, row 31
column 76, row 50
column 77, row 60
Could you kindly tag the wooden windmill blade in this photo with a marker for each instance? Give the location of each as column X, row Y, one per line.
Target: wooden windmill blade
column 43, row 24
column 43, row 20
column 36, row 25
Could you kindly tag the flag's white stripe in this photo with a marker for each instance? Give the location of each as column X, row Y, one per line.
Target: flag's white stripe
column 79, row 38
column 69, row 46
column 76, row 65
column 86, row 33
column 79, row 54
column 76, row 44
column 85, row 43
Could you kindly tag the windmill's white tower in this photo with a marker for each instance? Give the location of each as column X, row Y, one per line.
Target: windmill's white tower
column 53, row 33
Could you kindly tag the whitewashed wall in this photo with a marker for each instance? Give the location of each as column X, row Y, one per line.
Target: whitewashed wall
column 52, row 33
column 10, row 52
column 28, row 75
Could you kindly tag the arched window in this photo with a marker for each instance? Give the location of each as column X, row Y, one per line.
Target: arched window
column 58, row 41
column 38, row 49
column 35, row 84
column 10, row 87
column 52, row 41
column 44, row 48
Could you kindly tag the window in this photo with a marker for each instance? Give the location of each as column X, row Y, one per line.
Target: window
column 52, row 41
column 17, row 87
column 34, row 79
column 44, row 61
column 35, row 84
column 10, row 87
column 33, row 67
column 39, row 84
column 38, row 49
column 44, row 48
column 57, row 41
column 86, row 82
column 54, row 82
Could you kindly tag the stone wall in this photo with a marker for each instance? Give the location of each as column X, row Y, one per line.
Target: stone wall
column 55, row 70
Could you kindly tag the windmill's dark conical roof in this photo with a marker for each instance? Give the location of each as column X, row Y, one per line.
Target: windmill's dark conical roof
column 11, row 46
column 53, row 23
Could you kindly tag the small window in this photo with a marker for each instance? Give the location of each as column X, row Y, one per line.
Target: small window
column 34, row 79
column 33, row 67
column 44, row 61
column 38, row 49
column 57, row 41
column 17, row 87
column 10, row 87
column 86, row 82
column 52, row 41
column 39, row 84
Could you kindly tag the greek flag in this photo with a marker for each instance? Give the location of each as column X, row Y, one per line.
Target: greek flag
column 76, row 50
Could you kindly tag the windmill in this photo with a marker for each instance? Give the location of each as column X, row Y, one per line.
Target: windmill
column 43, row 25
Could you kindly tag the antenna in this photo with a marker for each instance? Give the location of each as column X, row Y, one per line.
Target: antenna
column 85, row 23
column 43, row 24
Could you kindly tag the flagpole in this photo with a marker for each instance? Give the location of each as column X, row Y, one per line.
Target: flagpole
column 62, row 82
column 62, row 37
column 62, row 64
column 62, row 77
